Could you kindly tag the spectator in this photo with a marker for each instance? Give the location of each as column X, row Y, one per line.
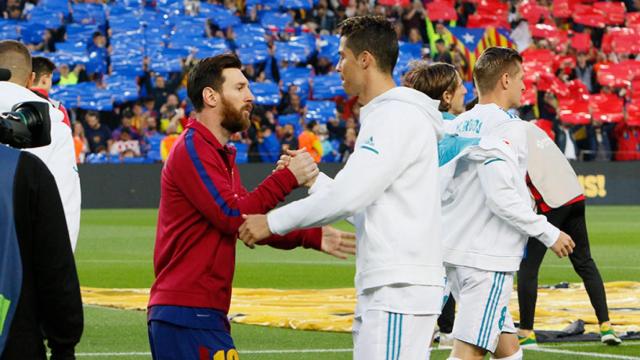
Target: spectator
column 139, row 117
column 309, row 140
column 329, row 154
column 43, row 78
column 98, row 54
column 47, row 44
column 442, row 53
column 584, row 72
column 324, row 18
column 126, row 124
column 294, row 106
column 171, row 118
column 98, row 135
column 167, row 143
column 69, row 77
column 566, row 141
column 415, row 19
column 348, row 145
column 80, row 142
column 628, row 141
column 289, row 140
column 126, row 145
column 269, row 146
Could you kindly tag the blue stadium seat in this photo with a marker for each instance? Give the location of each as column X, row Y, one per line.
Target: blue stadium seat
column 276, row 20
column 255, row 54
column 266, row 93
column 219, row 15
column 320, row 111
column 327, row 87
column 248, row 34
column 242, row 152
column 291, row 119
column 290, row 51
column 329, row 45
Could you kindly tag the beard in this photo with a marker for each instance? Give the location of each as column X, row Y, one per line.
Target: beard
column 233, row 119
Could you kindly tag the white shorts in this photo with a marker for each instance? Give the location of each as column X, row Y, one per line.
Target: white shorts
column 482, row 298
column 381, row 331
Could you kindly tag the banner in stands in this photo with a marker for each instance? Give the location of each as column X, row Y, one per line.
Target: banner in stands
column 138, row 185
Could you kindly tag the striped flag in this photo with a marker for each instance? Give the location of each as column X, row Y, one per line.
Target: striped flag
column 500, row 37
column 471, row 42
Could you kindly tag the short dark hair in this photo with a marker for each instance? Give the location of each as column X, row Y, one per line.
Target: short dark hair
column 16, row 57
column 374, row 34
column 440, row 41
column 41, row 66
column 433, row 80
column 208, row 73
column 492, row 64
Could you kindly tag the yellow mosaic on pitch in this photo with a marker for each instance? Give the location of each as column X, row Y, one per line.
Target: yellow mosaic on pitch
column 332, row 309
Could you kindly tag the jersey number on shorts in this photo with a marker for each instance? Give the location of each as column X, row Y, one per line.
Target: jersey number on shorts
column 231, row 355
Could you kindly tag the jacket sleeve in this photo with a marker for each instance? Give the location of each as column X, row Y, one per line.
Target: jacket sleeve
column 306, row 238
column 503, row 199
column 206, row 182
column 58, row 288
column 371, row 169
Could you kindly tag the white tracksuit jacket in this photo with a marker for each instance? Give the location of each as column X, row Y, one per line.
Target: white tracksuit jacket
column 59, row 156
column 487, row 210
column 389, row 185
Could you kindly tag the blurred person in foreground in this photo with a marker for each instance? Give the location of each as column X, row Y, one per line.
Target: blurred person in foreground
column 201, row 205
column 59, row 156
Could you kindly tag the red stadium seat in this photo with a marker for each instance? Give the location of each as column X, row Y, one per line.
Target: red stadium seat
column 581, row 42
column 633, row 114
column 440, row 10
column 543, row 31
column 574, row 111
column 606, row 108
column 614, row 12
column 532, row 12
column 589, row 16
column 614, row 75
column 546, row 126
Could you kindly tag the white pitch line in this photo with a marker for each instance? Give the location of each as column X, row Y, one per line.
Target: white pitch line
column 582, row 353
column 302, row 351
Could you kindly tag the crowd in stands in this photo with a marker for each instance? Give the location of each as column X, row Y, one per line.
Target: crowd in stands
column 121, row 67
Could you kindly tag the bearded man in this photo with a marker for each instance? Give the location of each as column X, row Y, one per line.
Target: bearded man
column 202, row 201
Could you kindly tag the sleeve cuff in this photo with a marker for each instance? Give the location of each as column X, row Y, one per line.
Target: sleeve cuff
column 274, row 226
column 286, row 177
column 550, row 235
column 321, row 181
column 312, row 239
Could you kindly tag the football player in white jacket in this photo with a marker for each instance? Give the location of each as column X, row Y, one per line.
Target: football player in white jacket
column 59, row 156
column 489, row 217
column 389, row 186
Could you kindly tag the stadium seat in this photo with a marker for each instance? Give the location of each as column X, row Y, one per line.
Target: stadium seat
column 242, row 152
column 326, row 87
column 266, row 93
column 320, row 111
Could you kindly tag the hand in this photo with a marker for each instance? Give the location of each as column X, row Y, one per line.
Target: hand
column 303, row 167
column 563, row 246
column 338, row 243
column 254, row 229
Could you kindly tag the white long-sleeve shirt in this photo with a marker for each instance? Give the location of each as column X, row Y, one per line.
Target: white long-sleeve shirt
column 389, row 185
column 59, row 156
column 489, row 217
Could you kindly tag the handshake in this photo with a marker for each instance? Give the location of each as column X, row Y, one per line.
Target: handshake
column 301, row 164
column 256, row 228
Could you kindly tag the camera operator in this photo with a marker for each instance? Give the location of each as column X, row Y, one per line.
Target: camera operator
column 59, row 156
column 39, row 288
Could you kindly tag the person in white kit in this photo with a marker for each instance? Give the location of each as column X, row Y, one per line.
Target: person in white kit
column 59, row 156
column 489, row 215
column 389, row 188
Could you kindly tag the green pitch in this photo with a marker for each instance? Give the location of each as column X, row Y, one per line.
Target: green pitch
column 115, row 250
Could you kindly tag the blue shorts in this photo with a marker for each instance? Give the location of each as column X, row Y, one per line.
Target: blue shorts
column 185, row 333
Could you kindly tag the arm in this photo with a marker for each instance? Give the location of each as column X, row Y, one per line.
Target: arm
column 206, row 182
column 367, row 174
column 58, row 288
column 326, row 239
column 503, row 199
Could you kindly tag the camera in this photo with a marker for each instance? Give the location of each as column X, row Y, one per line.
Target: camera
column 27, row 125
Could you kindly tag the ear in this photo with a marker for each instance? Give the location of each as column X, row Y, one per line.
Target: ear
column 447, row 96
column 30, row 80
column 210, row 97
column 504, row 80
column 365, row 59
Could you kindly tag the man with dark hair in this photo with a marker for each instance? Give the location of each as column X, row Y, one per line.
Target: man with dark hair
column 59, row 156
column 489, row 220
column 442, row 53
column 201, row 203
column 43, row 80
column 392, row 174
column 39, row 288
